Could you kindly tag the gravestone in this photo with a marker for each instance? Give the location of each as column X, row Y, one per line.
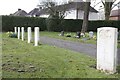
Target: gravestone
column 15, row 30
column 29, row 34
column 36, row 38
column 107, row 49
column 22, row 30
column 78, row 35
column 62, row 33
column 91, row 34
column 18, row 32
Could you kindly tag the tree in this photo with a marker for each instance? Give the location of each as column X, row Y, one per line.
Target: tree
column 108, row 6
column 86, row 16
column 53, row 8
column 56, row 14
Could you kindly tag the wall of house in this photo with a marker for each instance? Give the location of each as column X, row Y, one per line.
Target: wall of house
column 113, row 18
column 44, row 16
column 72, row 15
column 92, row 15
column 101, row 15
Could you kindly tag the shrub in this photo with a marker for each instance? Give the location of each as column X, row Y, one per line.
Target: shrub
column 11, row 34
column 53, row 25
column 9, row 22
column 68, row 35
column 93, row 25
column 69, row 25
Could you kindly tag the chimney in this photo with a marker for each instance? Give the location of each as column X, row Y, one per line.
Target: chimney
column 19, row 9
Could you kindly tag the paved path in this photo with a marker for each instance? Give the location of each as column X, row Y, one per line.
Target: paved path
column 89, row 49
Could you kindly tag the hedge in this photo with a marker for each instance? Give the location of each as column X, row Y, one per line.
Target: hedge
column 76, row 25
column 70, row 25
column 9, row 22
column 93, row 25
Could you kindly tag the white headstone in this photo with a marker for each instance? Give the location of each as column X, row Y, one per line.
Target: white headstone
column 22, row 30
column 15, row 28
column 107, row 49
column 91, row 33
column 18, row 32
column 36, row 36
column 29, row 34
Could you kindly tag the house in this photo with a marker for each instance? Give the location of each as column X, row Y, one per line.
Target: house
column 33, row 12
column 115, row 15
column 74, row 10
column 20, row 12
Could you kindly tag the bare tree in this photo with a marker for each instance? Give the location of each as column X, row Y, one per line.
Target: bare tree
column 108, row 6
column 56, row 14
column 86, row 16
column 54, row 9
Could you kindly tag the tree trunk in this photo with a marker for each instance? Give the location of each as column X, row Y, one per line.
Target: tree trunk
column 86, row 17
column 77, row 13
column 107, row 9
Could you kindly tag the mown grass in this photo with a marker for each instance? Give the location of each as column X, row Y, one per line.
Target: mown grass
column 56, row 35
column 23, row 60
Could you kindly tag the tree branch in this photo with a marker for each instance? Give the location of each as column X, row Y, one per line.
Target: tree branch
column 103, row 2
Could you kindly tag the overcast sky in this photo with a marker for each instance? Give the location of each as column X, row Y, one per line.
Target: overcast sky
column 10, row 6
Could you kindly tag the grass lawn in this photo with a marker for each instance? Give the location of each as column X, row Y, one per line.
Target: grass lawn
column 23, row 60
column 55, row 35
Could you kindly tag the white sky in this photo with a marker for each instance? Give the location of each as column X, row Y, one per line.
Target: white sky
column 10, row 6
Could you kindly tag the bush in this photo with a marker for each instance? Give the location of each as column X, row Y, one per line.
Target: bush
column 9, row 22
column 11, row 34
column 53, row 25
column 69, row 25
column 93, row 25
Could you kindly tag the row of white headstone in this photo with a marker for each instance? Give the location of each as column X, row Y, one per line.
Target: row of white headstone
column 29, row 34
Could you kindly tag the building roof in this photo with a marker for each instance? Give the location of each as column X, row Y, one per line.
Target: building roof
column 33, row 12
column 115, row 13
column 20, row 13
column 65, row 7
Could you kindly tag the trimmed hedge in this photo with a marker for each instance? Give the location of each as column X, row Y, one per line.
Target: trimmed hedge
column 93, row 25
column 70, row 25
column 9, row 22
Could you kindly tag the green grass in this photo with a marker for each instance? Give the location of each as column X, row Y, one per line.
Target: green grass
column 55, row 35
column 46, row 61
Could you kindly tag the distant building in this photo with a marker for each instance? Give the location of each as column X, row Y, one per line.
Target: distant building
column 115, row 15
column 33, row 13
column 101, row 15
column 20, row 12
column 74, row 10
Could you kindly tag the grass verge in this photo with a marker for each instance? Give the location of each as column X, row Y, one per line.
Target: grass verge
column 23, row 60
